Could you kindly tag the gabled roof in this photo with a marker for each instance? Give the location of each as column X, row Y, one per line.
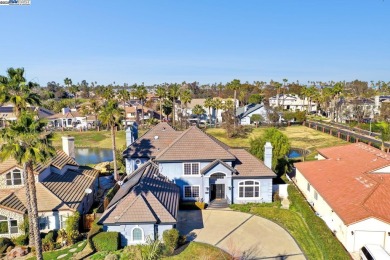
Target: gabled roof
column 193, row 144
column 345, row 180
column 60, row 160
column 146, row 196
column 70, row 187
column 215, row 163
column 152, row 142
column 248, row 165
column 241, row 113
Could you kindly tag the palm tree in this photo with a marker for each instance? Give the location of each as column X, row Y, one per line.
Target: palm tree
column 74, row 89
column 108, row 93
column 14, row 89
column 173, row 93
column 68, row 82
column 209, row 104
column 218, row 105
column 161, row 92
column 234, row 85
column 141, row 93
column 110, row 116
column 25, row 142
column 198, row 110
column 124, row 96
column 185, row 98
column 94, row 106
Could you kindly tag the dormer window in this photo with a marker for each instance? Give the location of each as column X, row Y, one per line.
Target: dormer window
column 14, row 177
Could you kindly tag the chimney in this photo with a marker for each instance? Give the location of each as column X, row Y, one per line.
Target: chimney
column 65, row 110
column 68, row 146
column 131, row 134
column 268, row 155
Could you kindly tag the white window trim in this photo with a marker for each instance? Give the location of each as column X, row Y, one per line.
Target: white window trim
column 184, row 192
column 190, row 175
column 9, row 219
column 249, row 198
column 66, row 217
column 12, row 177
column 142, row 232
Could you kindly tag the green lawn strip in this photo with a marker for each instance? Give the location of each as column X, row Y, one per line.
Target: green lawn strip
column 50, row 255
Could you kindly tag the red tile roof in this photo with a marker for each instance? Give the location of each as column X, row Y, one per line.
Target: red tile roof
column 347, row 182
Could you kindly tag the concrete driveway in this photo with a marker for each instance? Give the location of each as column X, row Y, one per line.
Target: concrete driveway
column 240, row 234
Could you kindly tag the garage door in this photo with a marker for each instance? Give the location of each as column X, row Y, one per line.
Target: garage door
column 369, row 237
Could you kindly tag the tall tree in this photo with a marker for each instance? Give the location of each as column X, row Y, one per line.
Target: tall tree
column 217, row 105
column 94, row 107
column 234, row 85
column 141, row 93
column 209, row 102
column 73, row 90
column 124, row 95
column 161, row 92
column 110, row 116
column 25, row 142
column 185, row 98
column 198, row 110
column 173, row 93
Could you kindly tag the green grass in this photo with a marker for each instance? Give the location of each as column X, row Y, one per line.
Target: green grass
column 54, row 254
column 299, row 136
column 310, row 232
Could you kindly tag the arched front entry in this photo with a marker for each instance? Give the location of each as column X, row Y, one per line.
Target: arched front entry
column 217, row 186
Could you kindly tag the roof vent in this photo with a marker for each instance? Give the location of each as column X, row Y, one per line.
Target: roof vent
column 155, row 137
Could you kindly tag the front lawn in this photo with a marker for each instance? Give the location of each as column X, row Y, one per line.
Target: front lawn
column 194, row 250
column 310, row 231
column 50, row 255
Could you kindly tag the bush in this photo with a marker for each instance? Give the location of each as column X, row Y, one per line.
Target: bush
column 4, row 244
column 49, row 242
column 21, row 240
column 72, row 228
column 171, row 239
column 95, row 228
column 106, row 241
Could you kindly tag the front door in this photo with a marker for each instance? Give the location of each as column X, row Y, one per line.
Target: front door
column 217, row 191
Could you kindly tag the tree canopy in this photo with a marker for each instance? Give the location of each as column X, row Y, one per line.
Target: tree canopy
column 279, row 141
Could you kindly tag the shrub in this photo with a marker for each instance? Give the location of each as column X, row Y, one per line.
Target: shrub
column 171, row 239
column 49, row 242
column 106, row 241
column 4, row 244
column 21, row 240
column 72, row 228
column 95, row 228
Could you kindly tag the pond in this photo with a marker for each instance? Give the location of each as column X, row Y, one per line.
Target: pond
column 92, row 155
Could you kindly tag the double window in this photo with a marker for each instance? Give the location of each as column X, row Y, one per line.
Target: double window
column 8, row 225
column 249, row 189
column 14, row 177
column 191, row 191
column 137, row 234
column 191, row 168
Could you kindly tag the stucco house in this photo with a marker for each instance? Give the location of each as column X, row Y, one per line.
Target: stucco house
column 145, row 206
column 202, row 167
column 292, row 103
column 7, row 113
column 349, row 188
column 69, row 118
column 244, row 113
column 61, row 190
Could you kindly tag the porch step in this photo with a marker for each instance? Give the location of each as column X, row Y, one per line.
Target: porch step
column 218, row 204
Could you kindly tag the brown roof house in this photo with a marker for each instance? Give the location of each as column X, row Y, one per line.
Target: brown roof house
column 349, row 187
column 63, row 187
column 199, row 166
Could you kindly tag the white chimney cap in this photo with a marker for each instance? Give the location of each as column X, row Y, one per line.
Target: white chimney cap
column 268, row 145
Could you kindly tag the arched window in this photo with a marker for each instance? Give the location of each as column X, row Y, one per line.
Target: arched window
column 14, row 177
column 138, row 234
column 249, row 189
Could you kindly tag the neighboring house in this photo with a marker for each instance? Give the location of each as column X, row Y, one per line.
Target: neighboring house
column 349, row 188
column 293, row 103
column 244, row 113
column 378, row 102
column 69, row 118
column 7, row 113
column 134, row 114
column 61, row 190
column 145, row 206
column 201, row 166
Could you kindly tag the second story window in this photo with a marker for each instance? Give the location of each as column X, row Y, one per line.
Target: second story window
column 14, row 177
column 191, row 168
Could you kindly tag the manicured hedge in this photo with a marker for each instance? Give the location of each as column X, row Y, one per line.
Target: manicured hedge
column 106, row 241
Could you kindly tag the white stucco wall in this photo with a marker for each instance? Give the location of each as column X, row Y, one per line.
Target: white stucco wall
column 126, row 232
column 265, row 191
column 16, row 216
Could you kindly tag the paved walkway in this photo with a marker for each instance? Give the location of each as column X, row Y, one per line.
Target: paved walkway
column 239, row 234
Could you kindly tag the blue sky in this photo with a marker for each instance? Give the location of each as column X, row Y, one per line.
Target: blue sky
column 206, row 41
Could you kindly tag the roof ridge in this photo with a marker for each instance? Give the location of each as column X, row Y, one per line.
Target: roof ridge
column 151, row 208
column 174, row 141
column 47, row 189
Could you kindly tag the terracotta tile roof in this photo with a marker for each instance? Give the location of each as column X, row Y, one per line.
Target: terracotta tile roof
column 47, row 201
column 70, row 187
column 146, row 196
column 347, row 183
column 148, row 145
column 248, row 165
column 193, row 144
